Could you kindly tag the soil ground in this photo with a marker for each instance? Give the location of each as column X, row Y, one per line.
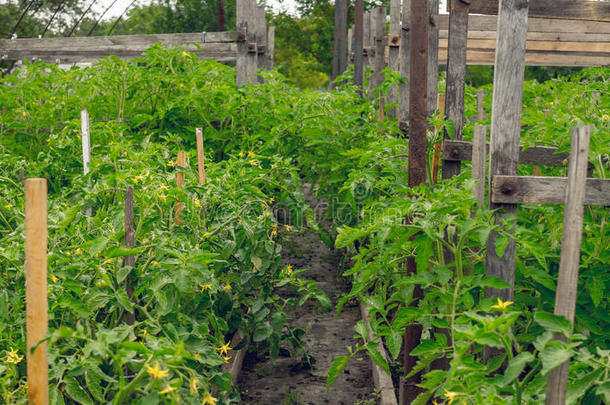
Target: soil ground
column 286, row 381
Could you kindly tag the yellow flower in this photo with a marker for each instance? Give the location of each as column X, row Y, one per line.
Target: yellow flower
column 255, row 162
column 154, row 263
column 205, row 287
column 226, row 359
column 197, row 203
column 144, row 331
column 274, row 230
column 193, row 386
column 605, row 117
column 251, row 154
column 241, row 154
column 156, row 372
column 107, row 261
column 227, row 287
column 208, row 399
column 171, row 163
column 197, row 356
column 185, row 54
column 54, row 278
column 224, row 349
column 288, row 270
column 162, row 197
column 8, row 206
column 13, row 357
column 24, row 113
column 207, row 235
column 263, row 205
column 167, row 390
column 288, row 228
column 271, row 200
column 79, row 251
column 450, row 395
column 502, row 305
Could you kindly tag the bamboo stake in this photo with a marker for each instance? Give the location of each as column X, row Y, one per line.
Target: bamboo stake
column 130, row 261
column 436, row 159
column 200, row 156
column 567, row 282
column 181, row 162
column 36, row 304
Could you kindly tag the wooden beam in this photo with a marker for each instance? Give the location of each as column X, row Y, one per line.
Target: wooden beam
column 378, row 17
column 241, row 65
column 539, row 25
column 433, row 47
column 339, row 45
column 573, row 9
column 393, row 54
column 537, row 155
column 404, row 66
column 544, row 190
column 358, row 44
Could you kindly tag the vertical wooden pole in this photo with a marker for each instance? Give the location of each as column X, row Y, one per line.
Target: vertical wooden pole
column 358, row 44
column 479, row 161
column 36, row 304
column 567, row 282
column 350, row 46
column 456, row 76
column 433, row 59
column 506, row 128
column 271, row 47
column 480, row 105
column 200, row 156
column 393, row 53
column 181, row 163
column 378, row 39
column 252, row 65
column 261, row 39
column 418, row 95
column 221, row 15
column 367, row 38
column 85, row 137
column 130, row 261
column 340, row 46
column 241, row 66
column 404, row 66
column 436, row 159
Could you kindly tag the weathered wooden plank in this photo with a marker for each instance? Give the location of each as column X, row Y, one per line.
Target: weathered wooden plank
column 558, row 46
column 537, row 155
column 553, row 37
column 350, row 45
column 404, row 66
column 378, row 16
column 581, row 10
column 339, row 46
column 534, row 25
column 358, row 43
column 571, row 239
column 393, row 54
column 533, row 58
column 252, row 57
column 367, row 37
column 479, row 162
column 480, row 105
column 544, row 190
column 506, row 128
column 271, row 47
column 241, row 65
column 433, row 47
column 456, row 76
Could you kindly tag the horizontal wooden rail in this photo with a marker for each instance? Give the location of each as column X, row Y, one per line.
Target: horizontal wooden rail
column 212, row 45
column 572, row 9
column 537, row 155
column 545, row 190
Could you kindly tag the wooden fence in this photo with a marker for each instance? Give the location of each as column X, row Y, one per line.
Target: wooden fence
column 251, row 45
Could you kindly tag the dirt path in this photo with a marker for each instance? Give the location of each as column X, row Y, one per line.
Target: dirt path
column 286, row 381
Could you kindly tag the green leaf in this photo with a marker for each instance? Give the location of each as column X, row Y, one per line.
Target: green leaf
column 123, row 251
column 371, row 349
column 394, row 343
column 553, row 323
column 123, row 300
column 515, row 367
column 577, row 388
column 335, row 370
column 348, row 235
column 76, row 392
column 554, row 354
column 122, row 273
column 94, row 378
column 426, row 347
column 262, row 332
column 493, row 282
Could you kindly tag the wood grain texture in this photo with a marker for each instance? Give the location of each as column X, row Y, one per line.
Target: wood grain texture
column 200, row 156
column 358, row 44
column 538, row 155
column 574, row 9
column 271, row 47
column 130, row 260
column 456, row 77
column 85, row 140
column 378, row 17
column 36, row 303
column 179, row 206
column 433, row 47
column 506, row 129
column 567, row 280
column 393, row 56
column 479, row 162
column 366, row 37
column 241, row 64
column 436, row 159
column 252, row 56
column 480, row 105
column 339, row 45
column 545, row 190
column 404, row 66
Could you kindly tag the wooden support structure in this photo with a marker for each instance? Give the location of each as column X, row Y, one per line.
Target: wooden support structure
column 359, row 44
column 200, row 156
column 340, row 39
column 567, row 281
column 367, row 49
column 130, row 260
column 479, row 162
column 480, row 105
column 506, row 129
column 378, row 38
column 433, row 58
column 393, row 54
column 581, row 10
column 36, row 304
column 404, row 66
column 270, row 47
column 436, row 158
column 178, row 207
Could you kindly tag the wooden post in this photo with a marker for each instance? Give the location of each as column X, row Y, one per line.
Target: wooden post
column 358, row 44
column 456, row 75
column 261, row 39
column 367, row 39
column 506, row 128
column 418, row 78
column 378, row 39
column 252, row 65
column 479, row 161
column 404, row 66
column 85, row 135
column 36, row 304
column 340, row 46
column 130, row 261
column 241, row 64
column 436, row 159
column 567, row 281
column 200, row 156
column 350, row 46
column 181, row 163
column 433, row 59
column 270, row 47
column 393, row 53
column 480, row 105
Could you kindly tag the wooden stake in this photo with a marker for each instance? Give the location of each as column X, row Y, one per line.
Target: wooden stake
column 358, row 44
column 181, row 162
column 241, row 64
column 85, row 135
column 36, row 304
column 270, row 47
column 378, row 17
column 480, row 106
column 479, row 161
column 404, row 66
column 393, row 53
column 367, row 38
column 200, row 156
column 567, row 282
column 130, row 261
column 436, row 158
column 339, row 49
column 433, row 59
